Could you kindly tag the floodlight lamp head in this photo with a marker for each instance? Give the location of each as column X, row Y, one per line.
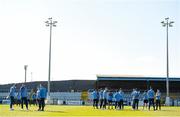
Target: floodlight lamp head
column 171, row 22
column 50, row 18
column 47, row 24
column 170, row 25
column 54, row 25
column 25, row 67
column 162, row 22
column 167, row 18
column 54, row 22
column 164, row 25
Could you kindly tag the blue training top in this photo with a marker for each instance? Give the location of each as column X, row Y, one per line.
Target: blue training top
column 158, row 96
column 135, row 95
column 110, row 96
column 23, row 91
column 94, row 95
column 38, row 94
column 117, row 96
column 34, row 96
column 12, row 91
column 145, row 96
column 101, row 94
column 121, row 95
column 43, row 92
column 18, row 96
column 150, row 94
column 104, row 94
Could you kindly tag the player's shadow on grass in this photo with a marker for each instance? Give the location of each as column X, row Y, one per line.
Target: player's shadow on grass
column 55, row 111
column 168, row 110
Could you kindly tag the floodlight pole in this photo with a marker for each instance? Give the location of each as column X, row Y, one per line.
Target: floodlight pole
column 31, row 76
column 51, row 24
column 25, row 68
column 167, row 24
column 167, row 47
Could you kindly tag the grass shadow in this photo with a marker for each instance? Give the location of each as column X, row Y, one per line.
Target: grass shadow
column 50, row 111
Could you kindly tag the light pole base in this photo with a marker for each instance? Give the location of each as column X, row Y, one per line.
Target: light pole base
column 167, row 103
column 49, row 101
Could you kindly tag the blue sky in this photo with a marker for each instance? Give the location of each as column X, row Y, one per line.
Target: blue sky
column 122, row 37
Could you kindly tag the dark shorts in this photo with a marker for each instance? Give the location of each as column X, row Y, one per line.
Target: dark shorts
column 109, row 101
column 145, row 101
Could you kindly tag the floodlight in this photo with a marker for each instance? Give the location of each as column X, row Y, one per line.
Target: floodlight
column 47, row 22
column 171, row 22
column 50, row 18
column 54, row 21
column 167, row 23
column 164, row 25
column 167, row 18
column 51, row 24
column 170, row 25
column 162, row 22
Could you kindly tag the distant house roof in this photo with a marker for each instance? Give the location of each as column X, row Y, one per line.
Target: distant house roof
column 134, row 78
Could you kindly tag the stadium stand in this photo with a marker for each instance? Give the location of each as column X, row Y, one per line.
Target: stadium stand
column 127, row 83
column 56, row 86
column 72, row 89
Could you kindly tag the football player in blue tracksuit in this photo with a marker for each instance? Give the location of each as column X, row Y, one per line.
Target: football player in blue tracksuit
column 151, row 95
column 24, row 94
column 34, row 98
column 121, row 102
column 101, row 98
column 158, row 99
column 43, row 94
column 117, row 98
column 110, row 99
column 38, row 96
column 28, row 99
column 104, row 98
column 12, row 95
column 95, row 98
column 145, row 99
column 18, row 99
column 135, row 97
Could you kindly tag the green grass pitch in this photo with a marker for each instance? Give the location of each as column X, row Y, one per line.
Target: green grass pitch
column 70, row 111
